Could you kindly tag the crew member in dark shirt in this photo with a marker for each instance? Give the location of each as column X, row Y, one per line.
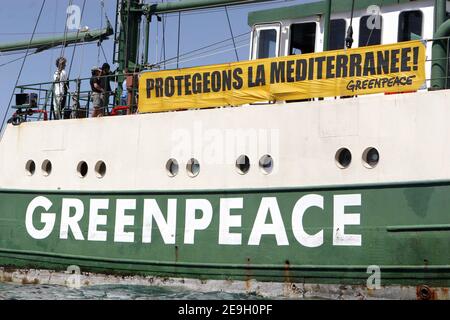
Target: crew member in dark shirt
column 106, row 78
column 97, row 92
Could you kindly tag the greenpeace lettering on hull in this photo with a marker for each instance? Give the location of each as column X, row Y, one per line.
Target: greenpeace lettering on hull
column 41, row 220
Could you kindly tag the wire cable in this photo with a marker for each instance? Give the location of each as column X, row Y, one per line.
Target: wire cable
column 75, row 46
column 21, row 67
column 201, row 48
column 231, row 31
column 179, row 32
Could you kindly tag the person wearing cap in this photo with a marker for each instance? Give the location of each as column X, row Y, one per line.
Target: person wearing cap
column 60, row 87
column 97, row 92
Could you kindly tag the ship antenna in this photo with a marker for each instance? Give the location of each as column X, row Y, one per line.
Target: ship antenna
column 349, row 37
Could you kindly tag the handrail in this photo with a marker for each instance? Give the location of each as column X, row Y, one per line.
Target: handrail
column 79, row 98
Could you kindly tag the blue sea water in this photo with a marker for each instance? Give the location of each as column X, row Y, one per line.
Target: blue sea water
column 9, row 291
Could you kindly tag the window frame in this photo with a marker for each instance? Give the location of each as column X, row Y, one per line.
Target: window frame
column 255, row 38
column 421, row 25
column 316, row 36
column 345, row 32
column 359, row 32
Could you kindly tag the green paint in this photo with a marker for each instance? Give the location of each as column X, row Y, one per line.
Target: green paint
column 314, row 8
column 410, row 248
column 439, row 66
column 51, row 42
column 185, row 5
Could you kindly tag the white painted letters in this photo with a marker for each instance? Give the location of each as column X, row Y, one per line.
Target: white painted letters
column 305, row 202
column 71, row 222
column 47, row 218
column 227, row 221
column 96, row 219
column 260, row 227
column 191, row 222
column 341, row 219
column 167, row 228
column 233, row 221
column 122, row 220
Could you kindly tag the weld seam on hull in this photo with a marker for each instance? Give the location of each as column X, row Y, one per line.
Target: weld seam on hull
column 445, row 268
column 418, row 228
column 424, row 183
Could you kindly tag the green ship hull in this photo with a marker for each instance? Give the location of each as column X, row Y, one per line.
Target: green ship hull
column 280, row 235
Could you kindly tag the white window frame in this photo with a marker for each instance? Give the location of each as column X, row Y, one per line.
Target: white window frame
column 410, row 10
column 317, row 39
column 255, row 38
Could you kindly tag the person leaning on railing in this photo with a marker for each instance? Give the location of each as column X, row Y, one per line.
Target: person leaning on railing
column 97, row 92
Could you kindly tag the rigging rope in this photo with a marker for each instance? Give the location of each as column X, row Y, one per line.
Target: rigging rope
column 162, row 56
column 203, row 48
column 14, row 60
column 349, row 37
column 209, row 55
column 103, row 51
column 179, row 32
column 371, row 31
column 231, row 31
column 21, row 67
column 66, row 28
column 75, row 46
column 102, row 5
column 52, row 51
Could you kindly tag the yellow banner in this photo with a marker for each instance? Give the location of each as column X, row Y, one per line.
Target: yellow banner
column 390, row 68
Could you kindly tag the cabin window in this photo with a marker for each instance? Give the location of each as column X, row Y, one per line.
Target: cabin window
column 303, row 38
column 337, row 34
column 370, row 30
column 409, row 25
column 267, row 44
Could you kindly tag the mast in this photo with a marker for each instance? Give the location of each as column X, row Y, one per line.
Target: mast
column 51, row 42
column 129, row 15
column 440, row 47
column 326, row 25
column 187, row 5
column 131, row 12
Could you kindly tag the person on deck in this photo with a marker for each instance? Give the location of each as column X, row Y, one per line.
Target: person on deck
column 60, row 87
column 124, row 96
column 97, row 92
column 106, row 78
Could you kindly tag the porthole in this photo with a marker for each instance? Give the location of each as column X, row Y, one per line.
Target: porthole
column 343, row 158
column 243, row 164
column 46, row 168
column 266, row 164
column 193, row 167
column 82, row 169
column 172, row 167
column 30, row 167
column 370, row 157
column 100, row 169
